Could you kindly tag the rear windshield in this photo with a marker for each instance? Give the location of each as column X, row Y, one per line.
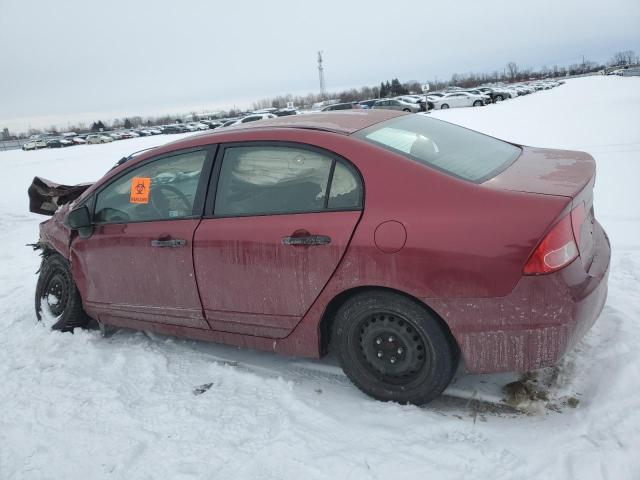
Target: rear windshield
column 446, row 147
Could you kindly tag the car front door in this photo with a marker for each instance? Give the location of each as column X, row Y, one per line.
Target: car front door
column 281, row 218
column 394, row 105
column 137, row 263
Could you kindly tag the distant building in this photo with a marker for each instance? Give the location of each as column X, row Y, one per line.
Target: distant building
column 192, row 117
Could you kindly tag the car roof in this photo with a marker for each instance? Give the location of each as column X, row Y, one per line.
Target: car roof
column 345, row 122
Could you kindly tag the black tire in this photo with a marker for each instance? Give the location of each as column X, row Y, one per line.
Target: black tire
column 444, row 106
column 406, row 110
column 55, row 279
column 393, row 348
column 499, row 98
column 478, row 103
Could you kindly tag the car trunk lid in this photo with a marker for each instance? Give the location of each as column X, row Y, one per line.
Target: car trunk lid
column 563, row 173
column 546, row 171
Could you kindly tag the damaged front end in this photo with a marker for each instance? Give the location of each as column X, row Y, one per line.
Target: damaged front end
column 45, row 196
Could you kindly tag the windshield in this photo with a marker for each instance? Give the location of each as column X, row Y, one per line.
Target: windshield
column 449, row 148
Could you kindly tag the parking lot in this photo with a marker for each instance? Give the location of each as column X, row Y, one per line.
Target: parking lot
column 451, row 97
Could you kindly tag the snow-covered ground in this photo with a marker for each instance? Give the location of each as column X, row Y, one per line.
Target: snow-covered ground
column 128, row 406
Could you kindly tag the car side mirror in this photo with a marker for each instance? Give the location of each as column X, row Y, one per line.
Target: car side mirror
column 79, row 218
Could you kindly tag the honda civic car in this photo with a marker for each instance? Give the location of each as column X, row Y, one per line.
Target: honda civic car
column 404, row 245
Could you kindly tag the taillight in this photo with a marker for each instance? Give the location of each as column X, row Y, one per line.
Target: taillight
column 559, row 247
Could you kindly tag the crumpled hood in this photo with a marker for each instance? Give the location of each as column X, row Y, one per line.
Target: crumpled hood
column 45, row 196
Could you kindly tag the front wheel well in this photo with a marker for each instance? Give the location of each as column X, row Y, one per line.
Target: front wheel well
column 326, row 322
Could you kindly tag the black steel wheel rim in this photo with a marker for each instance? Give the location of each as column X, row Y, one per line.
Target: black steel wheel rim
column 390, row 348
column 57, row 293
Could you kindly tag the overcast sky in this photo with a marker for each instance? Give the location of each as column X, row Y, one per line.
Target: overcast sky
column 75, row 60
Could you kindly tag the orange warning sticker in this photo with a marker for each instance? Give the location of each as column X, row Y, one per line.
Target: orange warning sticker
column 140, row 187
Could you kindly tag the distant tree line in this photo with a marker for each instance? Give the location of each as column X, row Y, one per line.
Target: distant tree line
column 511, row 72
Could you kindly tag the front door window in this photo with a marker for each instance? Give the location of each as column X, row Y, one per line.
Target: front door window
column 164, row 189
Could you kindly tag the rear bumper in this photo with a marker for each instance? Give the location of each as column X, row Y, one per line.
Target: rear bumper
column 538, row 322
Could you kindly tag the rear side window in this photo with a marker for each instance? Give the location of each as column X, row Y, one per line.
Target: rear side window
column 269, row 179
column 449, row 148
column 346, row 189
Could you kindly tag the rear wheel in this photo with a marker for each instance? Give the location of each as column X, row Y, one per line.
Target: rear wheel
column 499, row 98
column 57, row 294
column 406, row 110
column 393, row 348
column 444, row 106
column 478, row 103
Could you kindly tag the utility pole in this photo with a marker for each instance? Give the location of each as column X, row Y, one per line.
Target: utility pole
column 323, row 92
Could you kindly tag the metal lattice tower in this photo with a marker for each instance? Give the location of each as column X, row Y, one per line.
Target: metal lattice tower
column 323, row 92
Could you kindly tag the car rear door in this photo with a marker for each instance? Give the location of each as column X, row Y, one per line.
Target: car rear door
column 137, row 263
column 280, row 218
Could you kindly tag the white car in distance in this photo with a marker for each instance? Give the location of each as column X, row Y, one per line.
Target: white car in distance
column 253, row 118
column 34, row 144
column 458, row 99
column 92, row 139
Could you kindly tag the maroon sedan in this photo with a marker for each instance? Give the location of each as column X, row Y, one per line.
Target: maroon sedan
column 401, row 243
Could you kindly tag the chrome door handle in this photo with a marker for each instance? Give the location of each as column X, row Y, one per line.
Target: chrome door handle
column 307, row 240
column 174, row 242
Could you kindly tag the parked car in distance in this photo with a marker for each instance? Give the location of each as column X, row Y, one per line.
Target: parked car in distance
column 395, row 104
column 198, row 126
column 415, row 99
column 486, row 97
column 284, row 112
column 34, row 144
column 211, row 124
column 92, row 139
column 401, row 284
column 229, row 122
column 496, row 95
column 253, row 118
column 368, row 103
column 177, row 128
column 340, row 106
column 459, row 99
column 78, row 141
column 58, row 143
